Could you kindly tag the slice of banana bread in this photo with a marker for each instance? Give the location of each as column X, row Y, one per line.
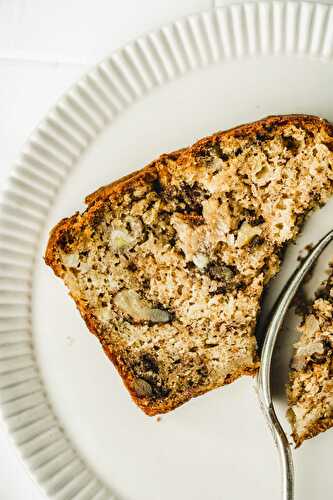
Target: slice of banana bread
column 310, row 390
column 167, row 265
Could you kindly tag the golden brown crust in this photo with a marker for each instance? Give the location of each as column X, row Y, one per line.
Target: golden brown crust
column 161, row 407
column 148, row 174
column 55, row 235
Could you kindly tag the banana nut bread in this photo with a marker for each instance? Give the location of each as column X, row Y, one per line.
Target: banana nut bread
column 167, row 265
column 310, row 389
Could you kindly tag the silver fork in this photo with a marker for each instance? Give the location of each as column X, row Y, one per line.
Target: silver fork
column 263, row 385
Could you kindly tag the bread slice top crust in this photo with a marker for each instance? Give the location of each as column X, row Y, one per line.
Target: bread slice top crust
column 167, row 265
column 310, row 389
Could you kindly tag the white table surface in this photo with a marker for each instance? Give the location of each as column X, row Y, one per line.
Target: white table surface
column 44, row 47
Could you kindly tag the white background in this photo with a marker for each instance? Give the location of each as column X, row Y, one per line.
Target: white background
column 45, row 45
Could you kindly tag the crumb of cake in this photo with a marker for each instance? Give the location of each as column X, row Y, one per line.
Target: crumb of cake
column 302, row 255
column 300, row 301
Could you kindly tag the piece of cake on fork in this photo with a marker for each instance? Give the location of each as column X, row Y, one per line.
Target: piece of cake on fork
column 310, row 390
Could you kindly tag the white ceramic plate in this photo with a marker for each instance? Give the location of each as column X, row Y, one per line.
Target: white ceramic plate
column 63, row 403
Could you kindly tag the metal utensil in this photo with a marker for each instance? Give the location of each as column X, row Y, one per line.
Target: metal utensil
column 263, row 385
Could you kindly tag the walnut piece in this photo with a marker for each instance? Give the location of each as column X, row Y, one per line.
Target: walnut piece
column 71, row 260
column 305, row 352
column 121, row 240
column 246, row 234
column 130, row 303
column 200, row 260
column 311, row 325
column 142, row 388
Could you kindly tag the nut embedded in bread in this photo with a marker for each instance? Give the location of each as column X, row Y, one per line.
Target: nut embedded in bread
column 310, row 389
column 167, row 266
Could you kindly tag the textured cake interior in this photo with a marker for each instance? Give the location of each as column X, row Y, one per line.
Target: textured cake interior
column 310, row 390
column 168, row 266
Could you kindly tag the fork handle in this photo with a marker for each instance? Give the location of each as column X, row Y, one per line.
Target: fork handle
column 283, row 447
